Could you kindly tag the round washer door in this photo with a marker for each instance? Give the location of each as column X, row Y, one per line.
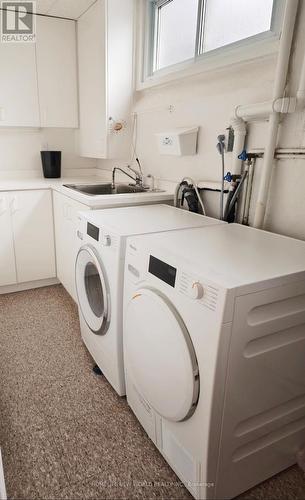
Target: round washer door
column 92, row 290
column 161, row 355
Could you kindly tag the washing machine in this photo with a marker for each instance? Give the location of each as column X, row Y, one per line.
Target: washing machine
column 214, row 350
column 99, row 274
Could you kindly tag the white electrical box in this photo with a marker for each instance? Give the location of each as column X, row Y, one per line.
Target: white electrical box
column 178, row 142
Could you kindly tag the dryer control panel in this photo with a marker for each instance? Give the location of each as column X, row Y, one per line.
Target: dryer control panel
column 100, row 235
column 165, row 272
column 145, row 266
column 184, row 282
column 93, row 231
column 206, row 293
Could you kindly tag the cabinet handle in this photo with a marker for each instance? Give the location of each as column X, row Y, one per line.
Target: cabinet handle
column 14, row 205
column 3, row 206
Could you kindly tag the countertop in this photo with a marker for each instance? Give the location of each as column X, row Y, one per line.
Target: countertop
column 22, row 183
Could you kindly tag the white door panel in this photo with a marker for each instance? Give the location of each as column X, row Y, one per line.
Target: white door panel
column 161, row 355
column 105, row 54
column 32, row 221
column 92, row 290
column 7, row 255
column 57, row 73
column 67, row 244
column 18, row 85
column 92, row 82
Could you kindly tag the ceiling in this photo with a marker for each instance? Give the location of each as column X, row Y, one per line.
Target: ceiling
column 71, row 9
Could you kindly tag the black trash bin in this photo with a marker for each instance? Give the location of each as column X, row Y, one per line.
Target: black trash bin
column 51, row 164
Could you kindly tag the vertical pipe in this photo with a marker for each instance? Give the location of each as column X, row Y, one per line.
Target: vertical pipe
column 274, row 120
column 301, row 88
column 245, row 219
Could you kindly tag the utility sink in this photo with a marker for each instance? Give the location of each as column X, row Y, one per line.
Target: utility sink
column 100, row 189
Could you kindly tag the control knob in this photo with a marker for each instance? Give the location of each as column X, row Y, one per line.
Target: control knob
column 196, row 290
column 106, row 240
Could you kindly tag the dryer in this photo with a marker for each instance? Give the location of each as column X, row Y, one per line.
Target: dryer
column 214, row 349
column 99, row 274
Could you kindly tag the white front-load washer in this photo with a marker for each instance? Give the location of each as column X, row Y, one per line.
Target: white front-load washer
column 99, row 274
column 214, row 350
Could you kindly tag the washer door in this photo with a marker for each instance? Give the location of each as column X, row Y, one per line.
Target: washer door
column 92, row 290
column 161, row 355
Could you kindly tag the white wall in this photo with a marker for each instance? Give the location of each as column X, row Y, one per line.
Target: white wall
column 20, row 149
column 208, row 101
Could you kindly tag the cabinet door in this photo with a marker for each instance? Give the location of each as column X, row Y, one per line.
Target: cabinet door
column 32, row 220
column 92, row 81
column 57, row 72
column 18, row 86
column 7, row 254
column 120, row 17
column 67, row 244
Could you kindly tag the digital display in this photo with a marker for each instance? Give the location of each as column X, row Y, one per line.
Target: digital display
column 93, row 231
column 163, row 271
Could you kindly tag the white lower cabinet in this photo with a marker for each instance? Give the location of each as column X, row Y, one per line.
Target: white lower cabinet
column 33, row 235
column 27, row 251
column 67, row 244
column 8, row 274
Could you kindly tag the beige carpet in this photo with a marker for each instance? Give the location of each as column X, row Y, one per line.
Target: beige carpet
column 64, row 432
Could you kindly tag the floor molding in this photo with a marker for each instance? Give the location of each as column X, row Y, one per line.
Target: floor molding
column 20, row 287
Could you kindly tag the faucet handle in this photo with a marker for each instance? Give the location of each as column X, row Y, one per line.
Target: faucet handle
column 136, row 172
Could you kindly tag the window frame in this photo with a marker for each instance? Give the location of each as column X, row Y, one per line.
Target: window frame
column 261, row 45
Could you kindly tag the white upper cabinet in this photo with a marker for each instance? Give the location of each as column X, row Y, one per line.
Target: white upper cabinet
column 92, row 82
column 105, row 62
column 38, row 84
column 18, row 86
column 57, row 73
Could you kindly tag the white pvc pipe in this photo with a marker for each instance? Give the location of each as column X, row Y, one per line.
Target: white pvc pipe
column 264, row 109
column 278, row 92
column 280, row 151
column 248, row 111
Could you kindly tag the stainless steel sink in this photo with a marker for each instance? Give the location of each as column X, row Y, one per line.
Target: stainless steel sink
column 102, row 189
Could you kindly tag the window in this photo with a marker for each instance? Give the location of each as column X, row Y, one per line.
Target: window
column 228, row 21
column 176, row 26
column 186, row 30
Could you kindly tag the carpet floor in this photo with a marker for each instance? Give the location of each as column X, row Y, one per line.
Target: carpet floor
column 64, row 433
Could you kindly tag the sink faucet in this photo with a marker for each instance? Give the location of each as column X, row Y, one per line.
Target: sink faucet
column 138, row 178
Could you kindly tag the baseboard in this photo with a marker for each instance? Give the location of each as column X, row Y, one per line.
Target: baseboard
column 20, row 287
